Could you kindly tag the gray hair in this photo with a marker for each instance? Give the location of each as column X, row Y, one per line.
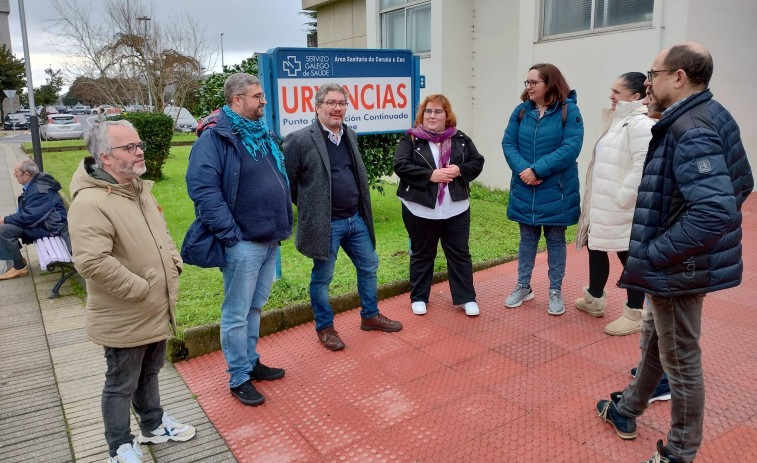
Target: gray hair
column 98, row 140
column 329, row 87
column 27, row 166
column 236, row 84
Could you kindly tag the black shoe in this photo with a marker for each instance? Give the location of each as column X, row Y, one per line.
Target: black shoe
column 608, row 411
column 247, row 394
column 261, row 372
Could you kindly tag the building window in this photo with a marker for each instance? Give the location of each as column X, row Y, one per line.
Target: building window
column 575, row 17
column 406, row 24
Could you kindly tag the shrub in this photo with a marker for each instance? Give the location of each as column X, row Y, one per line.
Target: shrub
column 156, row 130
column 377, row 152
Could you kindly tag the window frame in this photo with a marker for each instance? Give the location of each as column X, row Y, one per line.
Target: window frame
column 592, row 30
column 404, row 7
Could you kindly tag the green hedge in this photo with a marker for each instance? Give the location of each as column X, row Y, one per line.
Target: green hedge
column 156, row 130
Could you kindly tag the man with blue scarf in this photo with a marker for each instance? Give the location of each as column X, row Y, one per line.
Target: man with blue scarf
column 243, row 208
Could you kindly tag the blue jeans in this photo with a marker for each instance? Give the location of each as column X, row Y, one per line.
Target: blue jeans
column 556, row 253
column 247, row 281
column 670, row 344
column 353, row 236
column 131, row 379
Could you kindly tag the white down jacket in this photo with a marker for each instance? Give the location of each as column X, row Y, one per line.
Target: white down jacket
column 613, row 178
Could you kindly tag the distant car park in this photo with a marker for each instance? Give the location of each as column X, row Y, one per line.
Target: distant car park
column 61, row 127
column 15, row 121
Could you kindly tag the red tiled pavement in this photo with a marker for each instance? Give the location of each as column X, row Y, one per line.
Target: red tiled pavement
column 509, row 385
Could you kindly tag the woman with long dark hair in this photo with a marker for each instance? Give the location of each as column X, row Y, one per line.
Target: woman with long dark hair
column 541, row 144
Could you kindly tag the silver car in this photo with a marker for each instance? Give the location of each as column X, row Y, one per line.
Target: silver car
column 61, row 127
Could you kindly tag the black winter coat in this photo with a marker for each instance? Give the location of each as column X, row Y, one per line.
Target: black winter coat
column 686, row 233
column 414, row 164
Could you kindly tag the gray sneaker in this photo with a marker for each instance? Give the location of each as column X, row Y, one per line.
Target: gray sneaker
column 556, row 306
column 519, row 295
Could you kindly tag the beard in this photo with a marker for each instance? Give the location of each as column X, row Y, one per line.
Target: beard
column 130, row 170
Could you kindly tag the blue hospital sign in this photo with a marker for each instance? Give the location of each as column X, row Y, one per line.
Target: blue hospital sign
column 383, row 86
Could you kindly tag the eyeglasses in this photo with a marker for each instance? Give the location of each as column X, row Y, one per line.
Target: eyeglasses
column 652, row 72
column 257, row 96
column 331, row 104
column 531, row 83
column 429, row 111
column 131, row 148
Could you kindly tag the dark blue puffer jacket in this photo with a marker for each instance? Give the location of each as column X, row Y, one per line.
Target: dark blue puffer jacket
column 40, row 209
column 550, row 150
column 213, row 183
column 686, row 233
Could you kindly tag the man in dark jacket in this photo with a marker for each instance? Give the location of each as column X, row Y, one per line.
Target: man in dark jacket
column 329, row 184
column 40, row 213
column 237, row 180
column 685, row 242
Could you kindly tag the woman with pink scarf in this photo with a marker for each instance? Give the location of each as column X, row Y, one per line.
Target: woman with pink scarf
column 435, row 163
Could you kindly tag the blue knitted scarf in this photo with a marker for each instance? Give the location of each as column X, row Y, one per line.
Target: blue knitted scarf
column 255, row 136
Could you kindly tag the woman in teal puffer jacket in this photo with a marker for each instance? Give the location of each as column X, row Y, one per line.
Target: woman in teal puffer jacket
column 541, row 144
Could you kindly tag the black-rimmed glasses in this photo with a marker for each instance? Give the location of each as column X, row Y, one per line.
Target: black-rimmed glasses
column 131, row 148
column 531, row 83
column 652, row 72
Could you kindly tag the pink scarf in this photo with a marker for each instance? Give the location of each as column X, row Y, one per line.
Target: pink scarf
column 445, row 152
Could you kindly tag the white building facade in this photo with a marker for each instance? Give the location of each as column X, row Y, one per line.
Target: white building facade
column 477, row 52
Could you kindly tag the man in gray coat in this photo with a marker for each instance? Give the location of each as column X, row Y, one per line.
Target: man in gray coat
column 329, row 185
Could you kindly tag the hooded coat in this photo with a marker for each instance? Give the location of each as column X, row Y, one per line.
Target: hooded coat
column 550, row 149
column 41, row 211
column 122, row 248
column 613, row 177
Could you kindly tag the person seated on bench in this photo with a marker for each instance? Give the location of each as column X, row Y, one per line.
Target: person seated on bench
column 40, row 213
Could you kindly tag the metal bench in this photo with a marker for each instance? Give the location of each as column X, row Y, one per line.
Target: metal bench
column 53, row 253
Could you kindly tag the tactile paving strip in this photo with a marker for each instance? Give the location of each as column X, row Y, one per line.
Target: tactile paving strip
column 508, row 385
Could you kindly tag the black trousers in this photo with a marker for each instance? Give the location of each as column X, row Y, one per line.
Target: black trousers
column 599, row 272
column 425, row 235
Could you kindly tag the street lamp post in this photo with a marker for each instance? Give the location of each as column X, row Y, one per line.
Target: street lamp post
column 221, row 51
column 144, row 19
column 33, row 127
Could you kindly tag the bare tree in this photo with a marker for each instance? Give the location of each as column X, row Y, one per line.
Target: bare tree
column 130, row 55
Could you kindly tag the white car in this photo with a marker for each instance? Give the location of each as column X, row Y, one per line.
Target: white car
column 61, row 127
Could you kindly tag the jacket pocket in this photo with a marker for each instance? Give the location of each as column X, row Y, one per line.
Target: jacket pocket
column 693, row 273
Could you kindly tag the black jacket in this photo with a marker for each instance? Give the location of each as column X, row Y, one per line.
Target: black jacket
column 414, row 164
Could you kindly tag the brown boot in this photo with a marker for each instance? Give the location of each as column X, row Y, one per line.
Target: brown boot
column 13, row 273
column 628, row 323
column 330, row 339
column 380, row 323
column 594, row 306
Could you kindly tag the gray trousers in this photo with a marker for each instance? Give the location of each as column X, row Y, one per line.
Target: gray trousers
column 670, row 344
column 10, row 248
column 131, row 379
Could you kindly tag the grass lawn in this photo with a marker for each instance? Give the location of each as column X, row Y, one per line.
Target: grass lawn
column 201, row 290
column 56, row 143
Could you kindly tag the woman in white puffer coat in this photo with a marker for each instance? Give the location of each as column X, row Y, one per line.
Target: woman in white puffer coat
column 612, row 182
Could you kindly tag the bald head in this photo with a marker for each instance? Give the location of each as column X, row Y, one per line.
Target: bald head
column 693, row 59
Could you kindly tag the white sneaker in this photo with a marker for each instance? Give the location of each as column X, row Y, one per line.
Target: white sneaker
column 419, row 308
column 128, row 453
column 471, row 309
column 169, row 430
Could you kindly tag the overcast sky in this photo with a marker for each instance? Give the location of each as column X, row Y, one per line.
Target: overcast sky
column 248, row 26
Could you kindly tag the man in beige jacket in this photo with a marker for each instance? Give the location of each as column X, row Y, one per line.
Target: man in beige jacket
column 122, row 248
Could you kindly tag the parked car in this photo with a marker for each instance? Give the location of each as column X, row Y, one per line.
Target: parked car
column 80, row 109
column 61, row 127
column 15, row 121
column 184, row 120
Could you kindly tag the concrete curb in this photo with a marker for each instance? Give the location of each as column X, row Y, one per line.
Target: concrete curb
column 201, row 340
